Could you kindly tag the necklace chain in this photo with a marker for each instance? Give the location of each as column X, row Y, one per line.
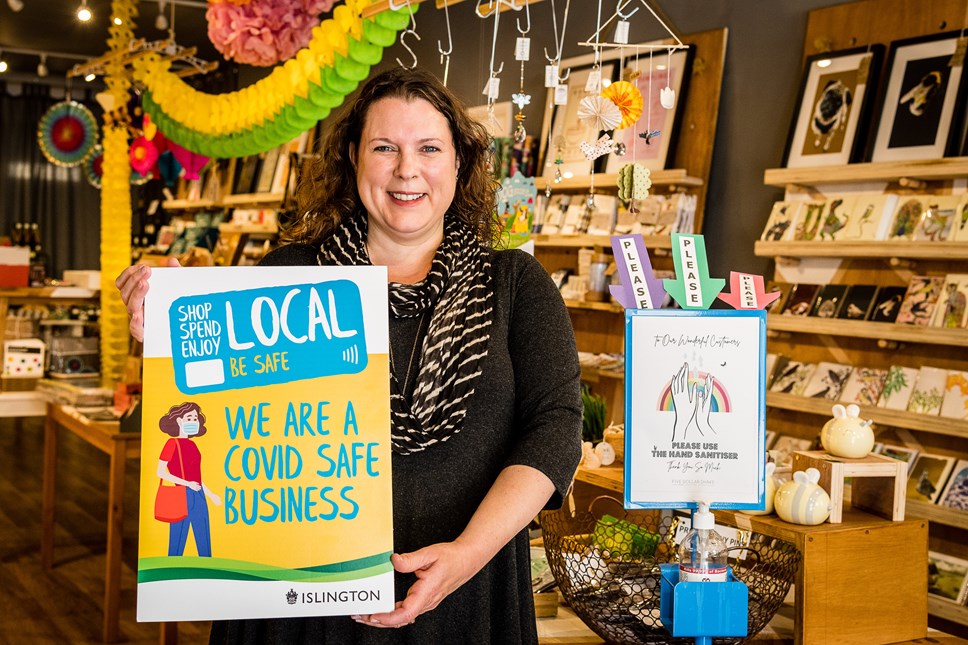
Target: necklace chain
column 413, row 352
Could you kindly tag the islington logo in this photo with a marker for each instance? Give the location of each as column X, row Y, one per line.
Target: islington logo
column 249, row 338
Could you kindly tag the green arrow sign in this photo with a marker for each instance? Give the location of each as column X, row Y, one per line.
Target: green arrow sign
column 692, row 287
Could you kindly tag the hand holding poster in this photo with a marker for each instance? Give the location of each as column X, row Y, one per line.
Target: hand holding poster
column 267, row 403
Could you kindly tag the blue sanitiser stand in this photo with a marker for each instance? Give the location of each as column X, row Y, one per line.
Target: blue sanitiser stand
column 703, row 609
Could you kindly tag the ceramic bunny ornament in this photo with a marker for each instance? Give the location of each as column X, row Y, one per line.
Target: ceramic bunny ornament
column 770, row 491
column 847, row 435
column 802, row 500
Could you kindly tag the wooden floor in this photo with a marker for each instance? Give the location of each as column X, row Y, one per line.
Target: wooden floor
column 63, row 605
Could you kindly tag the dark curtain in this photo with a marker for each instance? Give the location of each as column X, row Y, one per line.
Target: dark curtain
column 33, row 190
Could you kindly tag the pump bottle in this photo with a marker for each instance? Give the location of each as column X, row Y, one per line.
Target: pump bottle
column 702, row 553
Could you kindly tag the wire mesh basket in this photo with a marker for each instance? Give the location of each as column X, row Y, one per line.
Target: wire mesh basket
column 607, row 567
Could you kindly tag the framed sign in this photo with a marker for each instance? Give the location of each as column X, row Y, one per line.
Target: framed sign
column 695, row 408
column 833, row 108
column 667, row 71
column 266, row 415
column 923, row 100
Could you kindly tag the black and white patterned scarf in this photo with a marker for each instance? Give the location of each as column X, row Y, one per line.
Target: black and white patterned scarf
column 459, row 294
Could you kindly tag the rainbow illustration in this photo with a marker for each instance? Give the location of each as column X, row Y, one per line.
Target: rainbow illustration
column 720, row 402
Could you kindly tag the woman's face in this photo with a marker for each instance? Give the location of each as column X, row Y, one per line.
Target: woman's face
column 188, row 423
column 406, row 169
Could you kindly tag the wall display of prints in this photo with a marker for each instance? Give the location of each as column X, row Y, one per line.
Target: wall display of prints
column 833, row 107
column 921, row 107
column 858, row 302
column 780, row 224
column 928, row 476
column 275, row 381
column 955, row 404
column 567, row 131
column 952, row 308
column 695, row 431
column 864, row 386
column 672, row 71
column 955, row 494
column 901, row 453
column 920, row 300
column 827, row 381
column 947, row 577
column 898, row 388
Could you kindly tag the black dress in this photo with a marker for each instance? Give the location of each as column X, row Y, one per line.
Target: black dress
column 526, row 409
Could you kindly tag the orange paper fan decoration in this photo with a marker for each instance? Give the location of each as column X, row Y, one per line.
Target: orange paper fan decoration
column 628, row 98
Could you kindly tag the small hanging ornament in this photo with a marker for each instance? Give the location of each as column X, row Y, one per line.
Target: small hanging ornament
column 649, row 136
column 520, row 99
column 628, row 99
column 619, row 150
column 600, row 112
column 559, row 159
column 634, row 182
column 593, row 151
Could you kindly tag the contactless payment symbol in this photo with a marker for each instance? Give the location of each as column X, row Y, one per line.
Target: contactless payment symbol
column 254, row 337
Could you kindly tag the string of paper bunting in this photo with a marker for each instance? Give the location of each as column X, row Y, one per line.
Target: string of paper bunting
column 276, row 109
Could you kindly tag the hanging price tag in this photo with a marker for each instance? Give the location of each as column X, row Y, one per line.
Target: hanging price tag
column 551, row 75
column 522, row 49
column 561, row 94
column 622, row 32
column 493, row 88
column 594, row 82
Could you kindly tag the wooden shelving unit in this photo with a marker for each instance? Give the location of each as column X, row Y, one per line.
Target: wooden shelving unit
column 252, row 199
column 595, row 306
column 879, row 344
column 880, row 416
column 228, row 201
column 652, row 242
column 872, row 330
column 925, row 170
column 608, row 182
column 190, row 204
column 947, row 251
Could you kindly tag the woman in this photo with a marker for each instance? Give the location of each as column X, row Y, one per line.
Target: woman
column 485, row 405
column 181, row 463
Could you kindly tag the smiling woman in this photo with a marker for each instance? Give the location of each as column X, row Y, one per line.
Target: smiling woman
column 484, row 397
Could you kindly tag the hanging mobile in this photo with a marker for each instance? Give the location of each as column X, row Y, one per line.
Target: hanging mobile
column 667, row 97
column 522, row 52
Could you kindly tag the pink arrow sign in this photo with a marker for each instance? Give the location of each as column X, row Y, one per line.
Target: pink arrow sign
column 747, row 292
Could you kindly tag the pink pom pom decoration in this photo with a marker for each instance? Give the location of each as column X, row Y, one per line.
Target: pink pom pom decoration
column 263, row 32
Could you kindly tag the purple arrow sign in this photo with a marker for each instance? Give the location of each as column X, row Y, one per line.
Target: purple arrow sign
column 640, row 289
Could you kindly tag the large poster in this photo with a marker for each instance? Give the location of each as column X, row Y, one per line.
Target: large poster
column 695, row 408
column 266, row 395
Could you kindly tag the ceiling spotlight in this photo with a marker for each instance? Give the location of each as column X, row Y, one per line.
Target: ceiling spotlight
column 90, row 77
column 15, row 5
column 161, row 22
column 3, row 65
column 42, row 66
column 83, row 12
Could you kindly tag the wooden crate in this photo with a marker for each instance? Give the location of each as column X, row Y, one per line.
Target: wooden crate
column 863, row 580
column 878, row 483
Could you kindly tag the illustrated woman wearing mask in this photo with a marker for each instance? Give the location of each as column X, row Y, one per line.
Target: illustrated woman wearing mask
column 181, row 463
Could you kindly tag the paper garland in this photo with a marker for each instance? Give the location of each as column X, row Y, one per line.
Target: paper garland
column 276, row 109
column 67, row 133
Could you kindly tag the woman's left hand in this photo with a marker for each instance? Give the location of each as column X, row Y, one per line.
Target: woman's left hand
column 440, row 570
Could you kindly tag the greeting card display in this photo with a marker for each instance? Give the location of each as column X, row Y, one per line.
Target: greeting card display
column 955, row 404
column 864, row 386
column 901, row 453
column 827, row 381
column 780, row 224
column 829, row 300
column 919, row 302
column 268, row 389
column 887, row 304
column 695, row 429
column 898, row 388
column 857, row 302
column 952, row 309
column 928, row 475
column 955, row 494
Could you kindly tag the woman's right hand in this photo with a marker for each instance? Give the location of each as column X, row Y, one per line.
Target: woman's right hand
column 133, row 285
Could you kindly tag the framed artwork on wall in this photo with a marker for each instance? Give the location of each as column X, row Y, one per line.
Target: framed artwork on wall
column 922, row 105
column 833, row 108
column 564, row 132
column 667, row 70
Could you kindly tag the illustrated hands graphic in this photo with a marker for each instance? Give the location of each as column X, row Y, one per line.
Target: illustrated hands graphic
column 704, row 404
column 692, row 406
column 682, row 402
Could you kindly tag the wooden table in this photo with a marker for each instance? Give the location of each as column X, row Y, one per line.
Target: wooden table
column 106, row 437
column 861, row 581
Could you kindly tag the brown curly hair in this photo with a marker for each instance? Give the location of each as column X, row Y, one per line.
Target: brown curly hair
column 329, row 193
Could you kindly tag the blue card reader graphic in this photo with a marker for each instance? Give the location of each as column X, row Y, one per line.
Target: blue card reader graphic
column 253, row 337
